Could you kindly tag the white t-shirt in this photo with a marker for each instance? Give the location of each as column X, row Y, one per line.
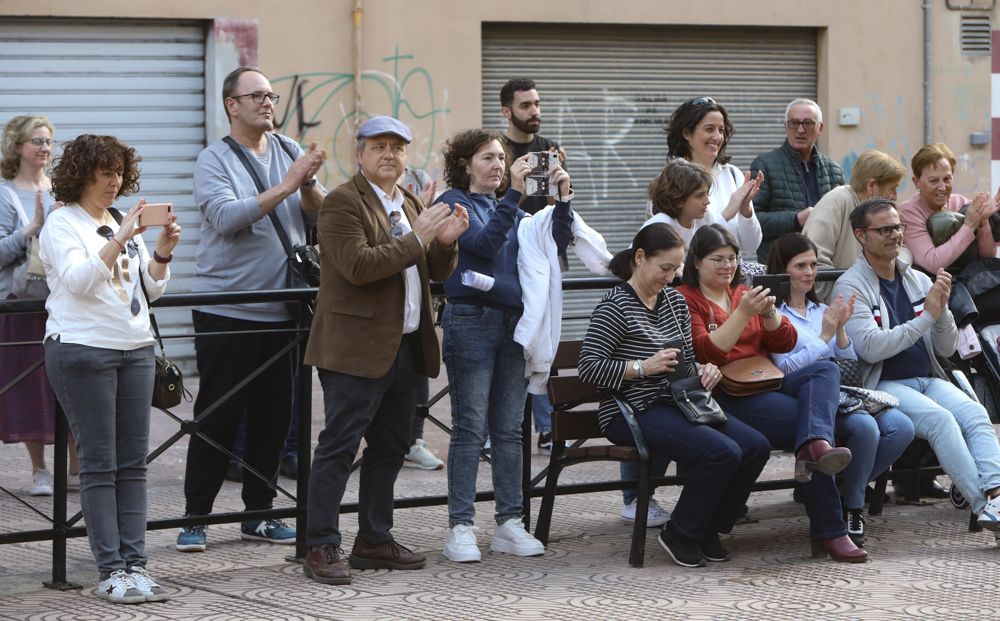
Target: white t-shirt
column 90, row 304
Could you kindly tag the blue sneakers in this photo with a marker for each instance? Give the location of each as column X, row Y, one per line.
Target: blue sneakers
column 269, row 531
column 191, row 539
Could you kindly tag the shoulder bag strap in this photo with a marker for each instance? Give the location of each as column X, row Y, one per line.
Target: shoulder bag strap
column 282, row 235
column 117, row 215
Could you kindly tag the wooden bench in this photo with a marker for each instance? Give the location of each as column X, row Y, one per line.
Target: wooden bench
column 574, row 421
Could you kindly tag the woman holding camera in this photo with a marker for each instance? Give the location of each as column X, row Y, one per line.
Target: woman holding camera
column 730, row 322
column 625, row 350
column 486, row 367
column 99, row 351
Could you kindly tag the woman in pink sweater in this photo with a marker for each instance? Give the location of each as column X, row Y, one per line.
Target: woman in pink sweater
column 933, row 175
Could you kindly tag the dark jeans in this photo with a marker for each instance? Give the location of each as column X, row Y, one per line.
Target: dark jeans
column 380, row 411
column 723, row 463
column 266, row 402
column 804, row 409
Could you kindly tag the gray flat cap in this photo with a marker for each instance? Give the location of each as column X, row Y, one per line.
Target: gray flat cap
column 381, row 125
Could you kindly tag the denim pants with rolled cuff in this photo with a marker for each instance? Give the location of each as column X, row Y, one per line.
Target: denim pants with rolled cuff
column 106, row 395
column 876, row 442
column 488, row 391
column 957, row 428
column 804, row 409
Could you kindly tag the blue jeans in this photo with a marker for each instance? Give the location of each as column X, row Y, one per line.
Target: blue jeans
column 106, row 394
column 876, row 442
column 488, row 391
column 803, row 409
column 722, row 463
column 541, row 411
column 958, row 429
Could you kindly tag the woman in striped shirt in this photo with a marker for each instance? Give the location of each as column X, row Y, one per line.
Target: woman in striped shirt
column 630, row 347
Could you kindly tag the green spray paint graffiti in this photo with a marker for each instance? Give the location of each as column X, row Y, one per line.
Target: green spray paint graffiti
column 409, row 97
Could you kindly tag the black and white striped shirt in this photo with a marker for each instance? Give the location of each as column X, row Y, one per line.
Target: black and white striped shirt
column 621, row 330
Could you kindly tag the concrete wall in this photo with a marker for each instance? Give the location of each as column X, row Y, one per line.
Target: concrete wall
column 422, row 61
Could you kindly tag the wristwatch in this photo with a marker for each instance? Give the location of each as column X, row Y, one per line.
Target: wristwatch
column 637, row 368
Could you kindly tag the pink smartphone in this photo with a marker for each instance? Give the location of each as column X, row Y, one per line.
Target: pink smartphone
column 156, row 214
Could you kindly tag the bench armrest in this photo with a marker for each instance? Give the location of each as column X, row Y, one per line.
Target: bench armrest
column 633, row 425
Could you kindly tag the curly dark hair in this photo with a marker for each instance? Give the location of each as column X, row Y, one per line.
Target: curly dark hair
column 84, row 156
column 678, row 180
column 458, row 152
column 686, row 118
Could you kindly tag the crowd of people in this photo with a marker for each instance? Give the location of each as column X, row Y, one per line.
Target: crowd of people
column 683, row 310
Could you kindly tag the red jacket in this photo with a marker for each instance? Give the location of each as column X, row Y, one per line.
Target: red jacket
column 754, row 340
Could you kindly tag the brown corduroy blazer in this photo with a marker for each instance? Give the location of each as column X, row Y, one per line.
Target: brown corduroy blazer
column 358, row 325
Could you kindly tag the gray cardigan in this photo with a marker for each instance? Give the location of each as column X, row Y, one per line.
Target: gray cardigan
column 875, row 343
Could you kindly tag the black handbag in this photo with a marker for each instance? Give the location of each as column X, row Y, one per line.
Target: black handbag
column 850, row 371
column 696, row 402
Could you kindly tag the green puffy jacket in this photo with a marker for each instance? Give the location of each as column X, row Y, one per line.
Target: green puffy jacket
column 783, row 194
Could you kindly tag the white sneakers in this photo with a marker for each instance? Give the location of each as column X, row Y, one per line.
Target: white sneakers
column 461, row 546
column 511, row 538
column 145, row 584
column 656, row 515
column 990, row 517
column 119, row 588
column 420, row 456
column 41, row 483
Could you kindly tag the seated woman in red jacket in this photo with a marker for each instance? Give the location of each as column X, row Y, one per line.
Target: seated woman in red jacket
column 730, row 321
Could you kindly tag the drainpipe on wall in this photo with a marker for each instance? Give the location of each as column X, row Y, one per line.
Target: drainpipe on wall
column 357, row 13
column 927, row 71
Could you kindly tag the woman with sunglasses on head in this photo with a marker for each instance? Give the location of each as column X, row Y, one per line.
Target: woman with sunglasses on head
column 698, row 131
column 730, row 322
column 28, row 409
column 99, row 350
column 876, row 442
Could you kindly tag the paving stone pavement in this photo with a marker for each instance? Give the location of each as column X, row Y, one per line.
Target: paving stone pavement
column 925, row 564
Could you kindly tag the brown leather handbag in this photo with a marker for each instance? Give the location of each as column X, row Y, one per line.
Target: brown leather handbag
column 749, row 376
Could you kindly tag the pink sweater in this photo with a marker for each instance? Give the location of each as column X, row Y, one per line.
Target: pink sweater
column 913, row 212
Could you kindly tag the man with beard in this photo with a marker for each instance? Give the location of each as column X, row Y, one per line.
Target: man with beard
column 240, row 250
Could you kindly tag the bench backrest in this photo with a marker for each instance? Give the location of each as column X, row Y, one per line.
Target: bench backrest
column 574, row 402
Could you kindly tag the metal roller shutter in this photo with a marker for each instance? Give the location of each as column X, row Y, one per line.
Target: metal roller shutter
column 607, row 92
column 141, row 81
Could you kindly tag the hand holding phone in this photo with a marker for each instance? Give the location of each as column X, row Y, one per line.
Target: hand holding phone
column 779, row 284
column 156, row 214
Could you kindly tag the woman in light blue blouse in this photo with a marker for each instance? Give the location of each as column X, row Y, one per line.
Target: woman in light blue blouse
column 875, row 441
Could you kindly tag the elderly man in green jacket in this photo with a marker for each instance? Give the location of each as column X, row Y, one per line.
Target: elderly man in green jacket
column 796, row 175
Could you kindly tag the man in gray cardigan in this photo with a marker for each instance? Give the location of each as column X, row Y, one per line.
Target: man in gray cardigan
column 240, row 250
column 796, row 175
column 901, row 322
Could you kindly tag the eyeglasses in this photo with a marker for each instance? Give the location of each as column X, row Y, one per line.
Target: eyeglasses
column 259, row 97
column 718, row 261
column 41, row 142
column 397, row 229
column 701, row 101
column 889, row 230
column 808, row 124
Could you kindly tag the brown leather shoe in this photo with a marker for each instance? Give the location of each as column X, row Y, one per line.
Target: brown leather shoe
column 820, row 456
column 388, row 555
column 326, row 564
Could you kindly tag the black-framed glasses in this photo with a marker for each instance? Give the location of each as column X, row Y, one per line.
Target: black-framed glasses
column 105, row 231
column 807, row 124
column 394, row 219
column 259, row 97
column 701, row 101
column 889, row 230
column 41, row 142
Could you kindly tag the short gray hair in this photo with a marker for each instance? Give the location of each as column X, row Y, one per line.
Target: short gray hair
column 359, row 146
column 808, row 102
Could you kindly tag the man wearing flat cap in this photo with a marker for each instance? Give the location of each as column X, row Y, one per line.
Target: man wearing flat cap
column 371, row 338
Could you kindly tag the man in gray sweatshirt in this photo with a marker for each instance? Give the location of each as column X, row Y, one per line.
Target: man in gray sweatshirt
column 240, row 250
column 900, row 323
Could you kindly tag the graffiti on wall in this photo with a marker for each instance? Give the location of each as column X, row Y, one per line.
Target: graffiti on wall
column 322, row 104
